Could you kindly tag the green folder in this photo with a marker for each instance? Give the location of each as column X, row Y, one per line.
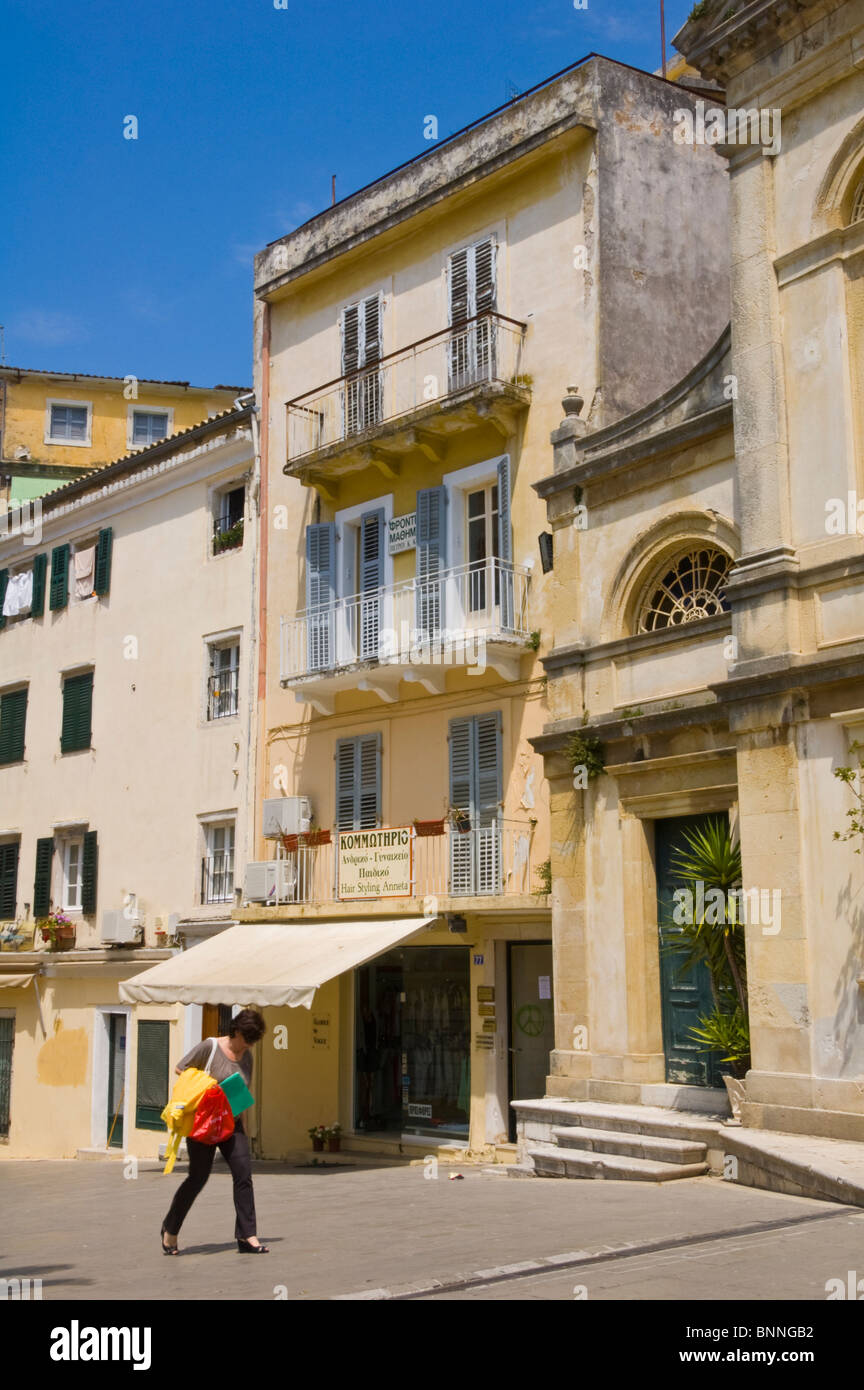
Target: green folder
column 237, row 1093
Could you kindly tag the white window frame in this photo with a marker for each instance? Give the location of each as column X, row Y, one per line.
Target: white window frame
column 215, row 495
column 67, row 843
column 143, row 409
column 208, row 824
column 218, row 642
column 73, row 443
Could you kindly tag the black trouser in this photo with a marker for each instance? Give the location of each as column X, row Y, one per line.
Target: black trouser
column 235, row 1151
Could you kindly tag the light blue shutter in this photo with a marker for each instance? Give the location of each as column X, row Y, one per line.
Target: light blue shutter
column 504, row 585
column 476, row 786
column 368, row 783
column 461, row 840
column 320, row 595
column 371, row 580
column 431, row 560
column 345, row 784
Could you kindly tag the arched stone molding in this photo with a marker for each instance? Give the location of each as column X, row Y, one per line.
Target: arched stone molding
column 653, row 551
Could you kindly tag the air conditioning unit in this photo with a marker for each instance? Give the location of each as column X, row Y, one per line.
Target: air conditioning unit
column 286, row 815
column 120, row 930
column 269, row 882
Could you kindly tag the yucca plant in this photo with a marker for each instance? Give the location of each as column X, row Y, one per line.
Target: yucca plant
column 729, row 1034
column 712, row 859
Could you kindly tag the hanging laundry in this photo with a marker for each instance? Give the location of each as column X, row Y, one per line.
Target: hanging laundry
column 19, row 594
column 85, row 561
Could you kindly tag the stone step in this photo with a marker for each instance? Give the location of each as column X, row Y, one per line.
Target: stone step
column 631, row 1119
column 553, row 1162
column 632, row 1145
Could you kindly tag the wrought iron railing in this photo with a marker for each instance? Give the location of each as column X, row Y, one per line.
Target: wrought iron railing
column 217, row 878
column 223, row 690
column 483, row 349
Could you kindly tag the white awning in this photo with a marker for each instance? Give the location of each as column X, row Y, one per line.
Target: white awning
column 16, row 981
column 268, row 963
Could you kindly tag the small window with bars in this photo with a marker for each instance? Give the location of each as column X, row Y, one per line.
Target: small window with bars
column 228, row 514
column 223, row 683
column 217, row 867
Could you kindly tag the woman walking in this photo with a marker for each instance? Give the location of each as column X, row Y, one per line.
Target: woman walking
column 232, row 1054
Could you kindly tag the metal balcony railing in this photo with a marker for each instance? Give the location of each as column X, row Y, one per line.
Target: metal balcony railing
column 446, row 620
column 217, row 878
column 223, row 693
column 480, row 861
column 484, row 349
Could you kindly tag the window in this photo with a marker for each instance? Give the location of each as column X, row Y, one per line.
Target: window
column 857, row 214
column 148, row 427
column 13, row 718
column 68, row 422
column 73, row 875
column 358, row 782
column 217, row 868
column 7, row 1043
column 362, row 348
column 152, row 1080
column 692, row 588
column 228, row 519
column 77, row 712
column 9, row 879
column 223, row 682
column 475, row 800
column 481, row 526
column 16, row 593
column 471, row 281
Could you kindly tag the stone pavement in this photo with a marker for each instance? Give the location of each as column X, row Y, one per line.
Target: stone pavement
column 387, row 1231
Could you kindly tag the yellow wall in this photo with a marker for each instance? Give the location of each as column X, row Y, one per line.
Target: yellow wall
column 26, row 416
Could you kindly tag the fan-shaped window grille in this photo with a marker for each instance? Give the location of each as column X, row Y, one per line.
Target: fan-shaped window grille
column 693, row 587
column 858, row 204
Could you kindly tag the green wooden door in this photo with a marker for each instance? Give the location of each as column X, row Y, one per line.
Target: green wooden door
column 116, row 1079
column 685, row 995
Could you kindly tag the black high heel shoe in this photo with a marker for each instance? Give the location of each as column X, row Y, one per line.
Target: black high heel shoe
column 246, row 1249
column 167, row 1249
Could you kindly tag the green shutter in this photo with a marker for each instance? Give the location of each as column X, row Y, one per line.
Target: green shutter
column 89, row 868
column 42, row 881
column 40, row 570
column 8, row 880
column 151, row 1090
column 102, row 572
column 58, row 594
column 13, row 718
column 4, row 580
column 77, row 710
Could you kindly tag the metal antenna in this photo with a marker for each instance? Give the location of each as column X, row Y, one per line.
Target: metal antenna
column 663, row 36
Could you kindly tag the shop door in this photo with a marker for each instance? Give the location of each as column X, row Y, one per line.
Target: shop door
column 116, row 1079
column 685, row 995
column 532, row 1020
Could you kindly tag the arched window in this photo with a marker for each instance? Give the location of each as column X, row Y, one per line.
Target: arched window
column 692, row 587
column 857, row 214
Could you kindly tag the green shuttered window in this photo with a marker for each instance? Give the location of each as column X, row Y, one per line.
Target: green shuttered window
column 77, row 712
column 102, row 572
column 151, row 1091
column 89, row 866
column 13, row 718
column 8, row 880
column 58, row 594
column 40, row 572
column 42, row 881
column 4, row 582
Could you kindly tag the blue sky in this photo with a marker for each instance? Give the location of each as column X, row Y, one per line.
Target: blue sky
column 135, row 256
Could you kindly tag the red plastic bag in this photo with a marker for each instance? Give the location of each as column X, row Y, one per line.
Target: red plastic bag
column 213, row 1119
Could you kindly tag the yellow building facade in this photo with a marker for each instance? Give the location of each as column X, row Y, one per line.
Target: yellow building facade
column 56, row 425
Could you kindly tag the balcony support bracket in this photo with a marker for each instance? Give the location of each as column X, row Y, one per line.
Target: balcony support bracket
column 388, row 466
column 325, row 487
column 432, row 446
column 507, row 667
column 319, row 702
column 386, row 693
column 433, row 682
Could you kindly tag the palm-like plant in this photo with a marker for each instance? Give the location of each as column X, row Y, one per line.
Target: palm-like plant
column 712, row 859
column 729, row 1034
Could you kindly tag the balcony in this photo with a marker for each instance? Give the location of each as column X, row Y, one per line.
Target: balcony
column 486, row 861
column 223, row 692
column 217, row 878
column 470, row 617
column 464, row 376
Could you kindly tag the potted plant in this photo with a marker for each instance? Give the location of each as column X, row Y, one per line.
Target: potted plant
column 318, row 1133
column 161, row 936
column 58, row 930
column 460, row 819
column 313, row 838
column 334, row 1138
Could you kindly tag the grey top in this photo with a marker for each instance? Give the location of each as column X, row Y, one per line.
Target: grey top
column 222, row 1066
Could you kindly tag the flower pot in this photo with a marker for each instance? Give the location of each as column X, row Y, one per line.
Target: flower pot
column 428, row 827
column 318, row 1145
column 290, row 843
column 313, row 838
column 334, row 1144
column 736, row 1089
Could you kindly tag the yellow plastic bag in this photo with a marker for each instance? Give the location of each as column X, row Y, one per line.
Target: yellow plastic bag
column 179, row 1114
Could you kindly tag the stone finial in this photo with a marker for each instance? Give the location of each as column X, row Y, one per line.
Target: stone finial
column 572, row 402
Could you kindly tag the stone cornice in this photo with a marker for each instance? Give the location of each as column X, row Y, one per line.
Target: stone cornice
column 577, row 655
column 721, row 50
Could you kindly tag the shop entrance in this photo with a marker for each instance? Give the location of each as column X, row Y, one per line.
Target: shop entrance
column 116, row 1080
column 412, row 1041
column 532, row 1021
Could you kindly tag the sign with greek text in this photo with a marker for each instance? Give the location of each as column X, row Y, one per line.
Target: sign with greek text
column 375, row 863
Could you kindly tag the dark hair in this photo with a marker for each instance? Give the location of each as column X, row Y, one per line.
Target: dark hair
column 249, row 1024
